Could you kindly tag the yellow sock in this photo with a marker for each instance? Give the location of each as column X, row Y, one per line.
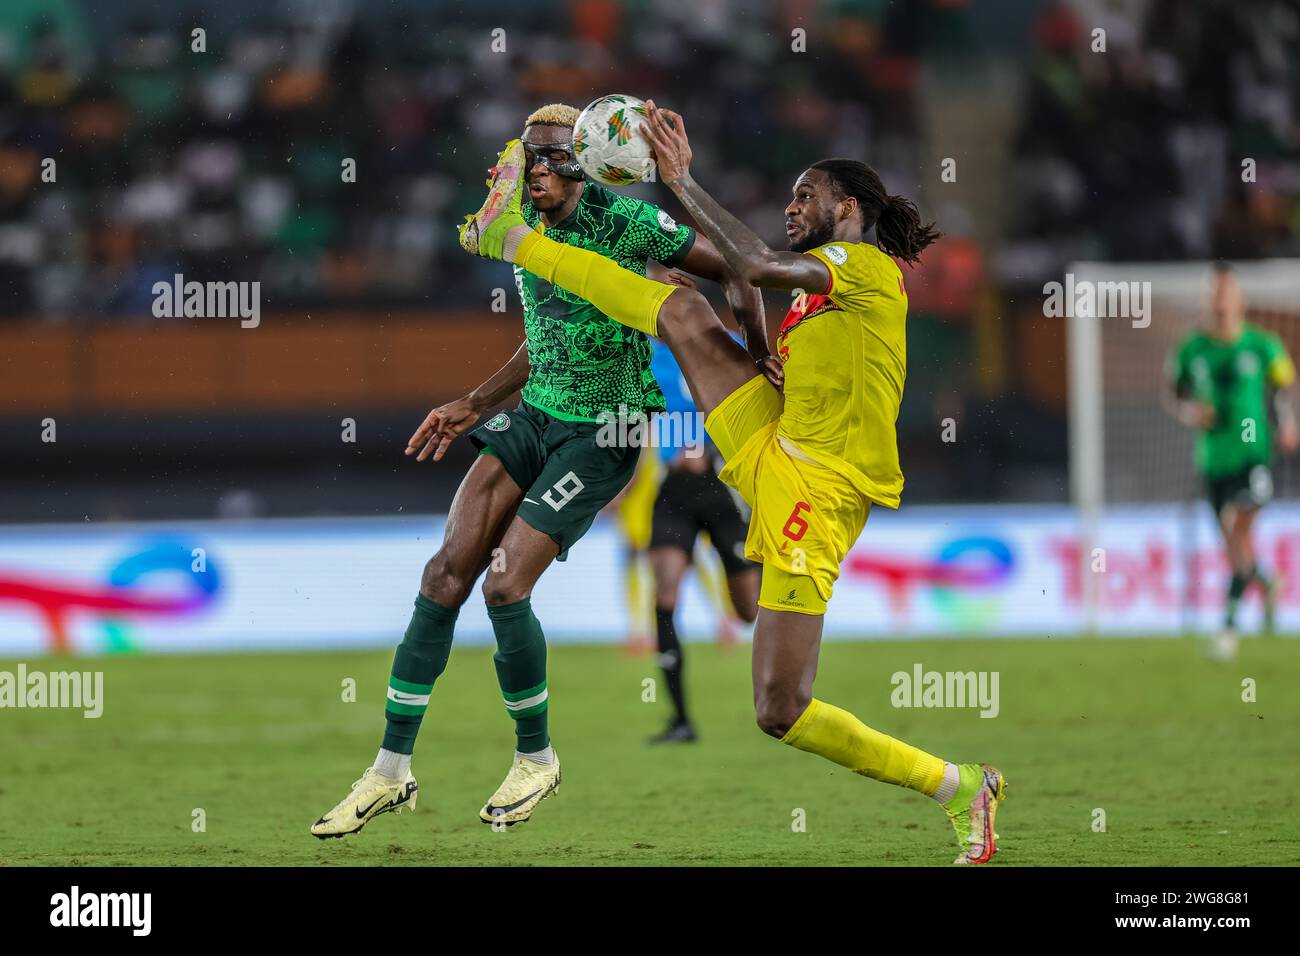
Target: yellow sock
column 620, row 293
column 837, row 735
column 638, row 594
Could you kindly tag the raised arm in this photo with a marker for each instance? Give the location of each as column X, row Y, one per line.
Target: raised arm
column 744, row 252
column 442, row 425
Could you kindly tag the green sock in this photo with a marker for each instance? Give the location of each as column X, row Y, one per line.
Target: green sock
column 418, row 661
column 521, row 671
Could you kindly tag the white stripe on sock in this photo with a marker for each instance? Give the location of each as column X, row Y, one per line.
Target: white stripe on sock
column 526, row 702
column 402, row 697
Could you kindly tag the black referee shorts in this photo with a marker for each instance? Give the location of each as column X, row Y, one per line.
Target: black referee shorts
column 690, row 503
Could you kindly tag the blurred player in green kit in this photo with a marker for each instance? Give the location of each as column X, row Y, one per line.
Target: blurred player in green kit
column 1223, row 377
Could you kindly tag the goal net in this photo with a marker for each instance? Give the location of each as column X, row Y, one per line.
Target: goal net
column 1128, row 456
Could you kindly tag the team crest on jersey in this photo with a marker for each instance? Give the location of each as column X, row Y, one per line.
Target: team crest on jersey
column 666, row 222
column 837, row 254
column 498, row 423
column 1247, row 364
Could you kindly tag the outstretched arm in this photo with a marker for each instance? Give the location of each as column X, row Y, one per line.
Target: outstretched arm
column 441, row 426
column 745, row 253
column 505, row 381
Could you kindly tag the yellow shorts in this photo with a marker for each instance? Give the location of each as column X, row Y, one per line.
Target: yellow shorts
column 805, row 516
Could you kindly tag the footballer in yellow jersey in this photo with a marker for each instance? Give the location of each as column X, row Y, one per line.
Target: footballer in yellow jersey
column 812, row 465
column 808, row 437
column 845, row 358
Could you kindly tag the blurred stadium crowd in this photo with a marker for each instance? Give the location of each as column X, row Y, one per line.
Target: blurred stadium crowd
column 1137, row 155
column 227, row 164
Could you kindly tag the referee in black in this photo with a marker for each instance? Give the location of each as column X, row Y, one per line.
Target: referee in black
column 692, row 499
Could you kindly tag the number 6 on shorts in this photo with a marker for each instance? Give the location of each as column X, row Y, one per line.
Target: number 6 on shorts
column 566, row 494
column 795, row 527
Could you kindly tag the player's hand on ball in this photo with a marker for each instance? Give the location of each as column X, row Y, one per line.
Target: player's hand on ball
column 440, row 427
column 667, row 134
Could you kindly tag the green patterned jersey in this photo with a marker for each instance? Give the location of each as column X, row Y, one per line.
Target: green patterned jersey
column 581, row 361
column 1235, row 379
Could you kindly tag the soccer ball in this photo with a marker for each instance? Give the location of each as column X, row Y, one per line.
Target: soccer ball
column 608, row 144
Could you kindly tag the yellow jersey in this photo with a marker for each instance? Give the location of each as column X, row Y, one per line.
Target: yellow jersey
column 845, row 355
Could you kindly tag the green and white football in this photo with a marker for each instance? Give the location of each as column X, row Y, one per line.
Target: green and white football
column 608, row 144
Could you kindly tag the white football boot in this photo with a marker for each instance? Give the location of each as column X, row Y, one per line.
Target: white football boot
column 526, row 785
column 372, row 795
column 1223, row 646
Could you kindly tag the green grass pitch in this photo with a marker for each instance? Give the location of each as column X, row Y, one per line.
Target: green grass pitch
column 1145, row 730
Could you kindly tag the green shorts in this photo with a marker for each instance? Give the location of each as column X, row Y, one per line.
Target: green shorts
column 566, row 474
column 1251, row 487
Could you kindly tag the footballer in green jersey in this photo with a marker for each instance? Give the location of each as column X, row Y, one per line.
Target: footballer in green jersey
column 544, row 471
column 1224, row 378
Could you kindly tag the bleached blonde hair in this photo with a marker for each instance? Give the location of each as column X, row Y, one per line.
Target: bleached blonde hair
column 553, row 114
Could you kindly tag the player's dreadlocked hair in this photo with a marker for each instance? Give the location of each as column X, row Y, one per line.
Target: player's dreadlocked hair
column 553, row 114
column 899, row 230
